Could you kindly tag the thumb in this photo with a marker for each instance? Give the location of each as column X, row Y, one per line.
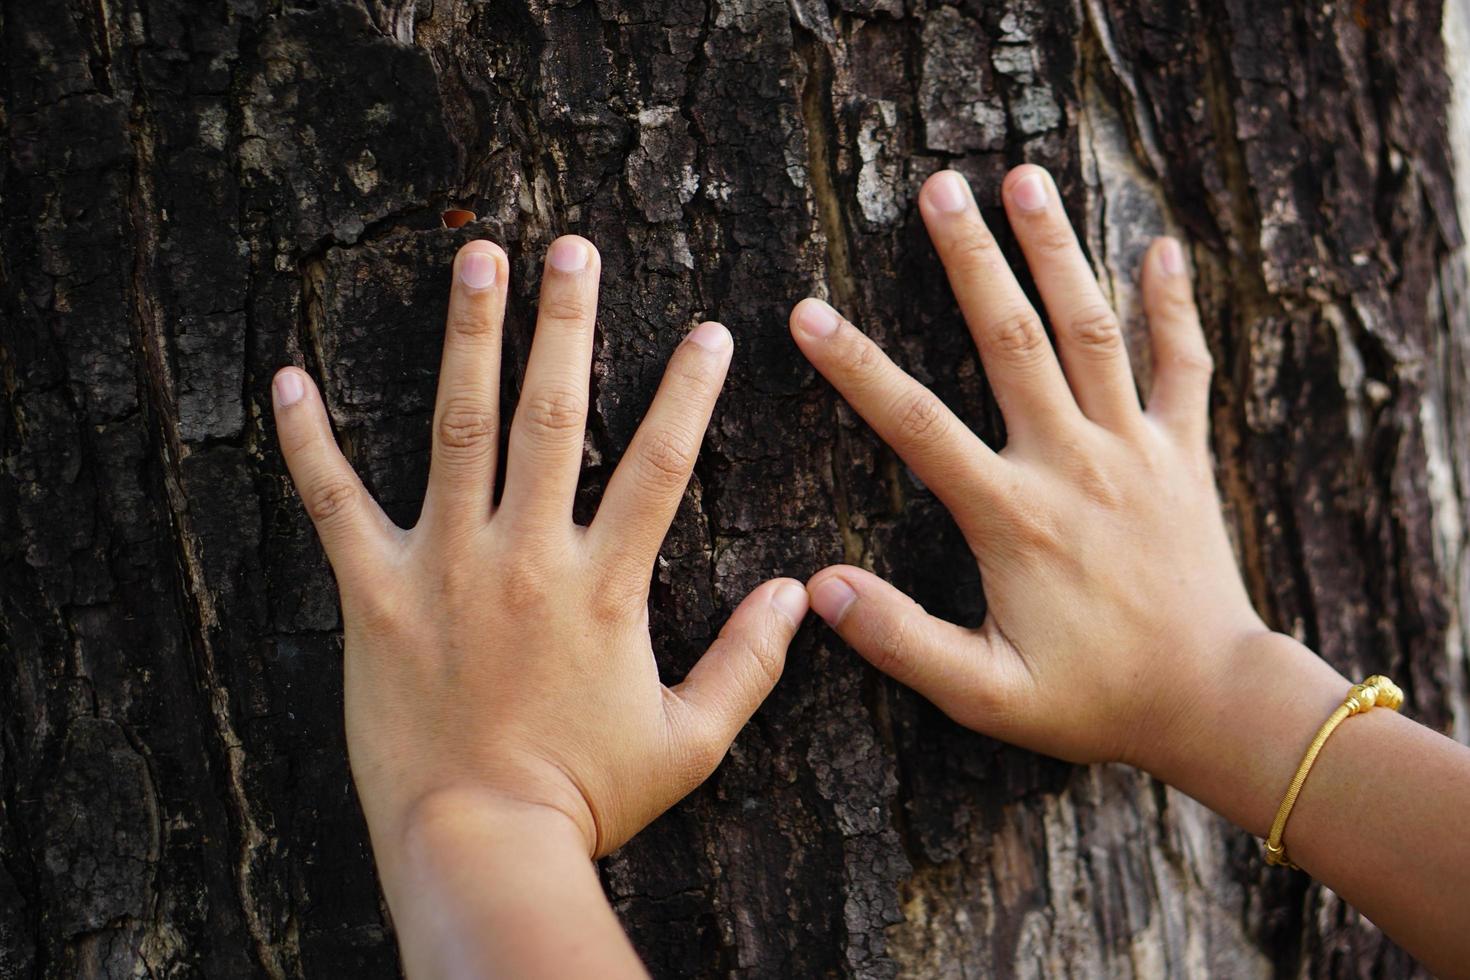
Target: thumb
column 942, row 661
column 734, row 676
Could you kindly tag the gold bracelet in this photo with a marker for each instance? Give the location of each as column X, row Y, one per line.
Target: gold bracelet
column 1376, row 692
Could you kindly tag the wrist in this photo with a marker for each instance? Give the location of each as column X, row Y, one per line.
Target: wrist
column 483, row 884
column 444, row 822
column 1236, row 740
column 447, row 814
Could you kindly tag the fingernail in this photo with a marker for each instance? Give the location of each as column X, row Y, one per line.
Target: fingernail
column 817, row 319
column 710, row 336
column 477, row 269
column 1029, row 193
column 567, row 255
column 288, row 388
column 790, row 601
column 948, row 192
column 1171, row 257
column 830, row 599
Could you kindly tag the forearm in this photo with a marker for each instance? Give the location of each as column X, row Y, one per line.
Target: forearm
column 486, row 889
column 1380, row 819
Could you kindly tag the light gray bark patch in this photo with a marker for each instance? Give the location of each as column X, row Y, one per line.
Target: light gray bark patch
column 660, row 171
column 881, row 193
column 958, row 100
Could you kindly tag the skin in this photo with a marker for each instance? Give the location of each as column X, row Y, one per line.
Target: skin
column 505, row 718
column 1118, row 628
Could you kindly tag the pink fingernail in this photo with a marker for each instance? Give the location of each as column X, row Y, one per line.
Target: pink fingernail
column 816, row 319
column 710, row 336
column 831, row 598
column 567, row 255
column 790, row 601
column 1029, row 193
column 477, row 270
column 948, row 192
column 288, row 388
column 1171, row 257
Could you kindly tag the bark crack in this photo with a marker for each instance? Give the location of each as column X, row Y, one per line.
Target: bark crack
column 203, row 618
column 821, row 130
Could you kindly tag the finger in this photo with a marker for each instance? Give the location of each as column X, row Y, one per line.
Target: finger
column 1088, row 336
column 545, row 450
column 734, row 676
column 1181, row 359
column 649, row 483
column 1019, row 362
column 354, row 531
column 940, row 449
column 466, row 415
column 948, row 664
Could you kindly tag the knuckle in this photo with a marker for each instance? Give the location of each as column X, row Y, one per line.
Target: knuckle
column 465, row 428
column 472, row 319
column 1018, row 336
column 1196, row 360
column 526, row 582
column 666, row 459
column 330, row 499
column 376, row 611
column 569, row 308
column 1096, row 330
column 1099, row 486
column 1175, row 305
column 1029, row 524
column 1089, row 471
column 620, row 598
column 1034, row 531
column 864, row 358
column 689, row 380
column 1053, row 239
column 768, row 657
column 920, row 417
column 894, row 648
column 974, row 247
column 764, row 655
column 557, row 412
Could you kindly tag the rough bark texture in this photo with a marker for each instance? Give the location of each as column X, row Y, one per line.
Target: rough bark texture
column 195, row 193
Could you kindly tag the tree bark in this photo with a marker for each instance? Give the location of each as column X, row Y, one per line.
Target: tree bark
column 197, row 193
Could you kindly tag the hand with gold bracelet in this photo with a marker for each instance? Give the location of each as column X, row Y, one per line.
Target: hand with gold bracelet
column 1118, row 628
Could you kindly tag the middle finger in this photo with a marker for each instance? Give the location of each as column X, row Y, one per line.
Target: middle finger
column 545, row 452
column 1019, row 361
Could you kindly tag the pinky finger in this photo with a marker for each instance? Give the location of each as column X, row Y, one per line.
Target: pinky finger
column 1181, row 360
column 353, row 529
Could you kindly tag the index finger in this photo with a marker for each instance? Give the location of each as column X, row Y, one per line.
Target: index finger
column 648, row 485
column 940, row 449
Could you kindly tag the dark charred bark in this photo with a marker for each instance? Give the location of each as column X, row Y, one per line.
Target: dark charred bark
column 196, row 193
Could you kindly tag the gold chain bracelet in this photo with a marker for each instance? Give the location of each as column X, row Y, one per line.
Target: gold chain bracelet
column 1375, row 692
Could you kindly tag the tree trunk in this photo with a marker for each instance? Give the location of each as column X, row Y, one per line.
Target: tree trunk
column 196, row 193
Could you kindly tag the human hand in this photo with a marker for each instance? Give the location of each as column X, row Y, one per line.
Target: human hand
column 499, row 653
column 1116, row 614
